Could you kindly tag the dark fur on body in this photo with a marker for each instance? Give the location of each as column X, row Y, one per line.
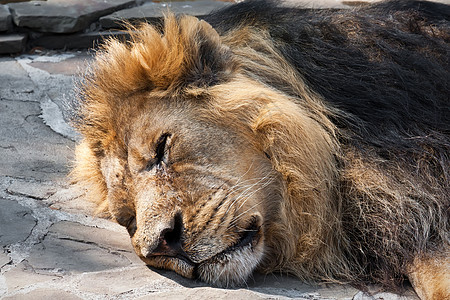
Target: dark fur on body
column 384, row 71
column 386, row 65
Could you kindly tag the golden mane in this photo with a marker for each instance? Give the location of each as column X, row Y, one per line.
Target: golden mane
column 298, row 136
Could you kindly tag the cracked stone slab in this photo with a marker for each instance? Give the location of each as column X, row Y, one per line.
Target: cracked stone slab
column 133, row 281
column 23, row 276
column 4, row 259
column 67, row 250
column 63, row 16
column 212, row 293
column 71, row 199
column 118, row 240
column 72, row 65
column 43, row 294
column 54, row 76
column 16, row 221
column 15, row 83
column 12, row 43
column 29, row 148
column 152, row 11
column 65, row 256
column 35, row 190
column 5, row 18
column 78, row 40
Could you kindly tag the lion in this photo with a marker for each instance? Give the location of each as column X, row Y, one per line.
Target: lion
column 274, row 139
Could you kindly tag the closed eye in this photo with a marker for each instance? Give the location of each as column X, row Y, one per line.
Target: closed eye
column 160, row 152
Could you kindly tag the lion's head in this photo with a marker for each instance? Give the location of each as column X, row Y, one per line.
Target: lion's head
column 213, row 171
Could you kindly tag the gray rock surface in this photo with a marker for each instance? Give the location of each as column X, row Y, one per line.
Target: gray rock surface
column 4, row 259
column 19, row 277
column 15, row 83
column 12, row 43
column 23, row 152
column 17, row 222
column 151, row 11
column 76, row 40
column 31, row 189
column 63, row 16
column 44, row 294
column 65, row 255
column 5, row 18
column 54, row 89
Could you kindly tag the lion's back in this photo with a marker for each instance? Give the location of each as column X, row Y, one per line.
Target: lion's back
column 386, row 66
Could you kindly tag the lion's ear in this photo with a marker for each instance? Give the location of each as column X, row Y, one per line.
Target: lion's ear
column 208, row 61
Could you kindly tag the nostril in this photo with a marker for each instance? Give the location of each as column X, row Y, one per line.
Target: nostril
column 172, row 236
column 170, row 239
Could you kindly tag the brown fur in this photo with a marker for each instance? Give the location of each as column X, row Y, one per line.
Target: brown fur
column 431, row 277
column 235, row 139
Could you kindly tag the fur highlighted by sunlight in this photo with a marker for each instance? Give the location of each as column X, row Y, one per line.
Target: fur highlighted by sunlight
column 313, row 142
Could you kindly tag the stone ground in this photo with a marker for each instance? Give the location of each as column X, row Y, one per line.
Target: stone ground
column 51, row 246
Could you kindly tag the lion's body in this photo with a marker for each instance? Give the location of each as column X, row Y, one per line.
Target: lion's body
column 314, row 142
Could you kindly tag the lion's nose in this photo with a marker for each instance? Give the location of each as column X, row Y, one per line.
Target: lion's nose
column 170, row 240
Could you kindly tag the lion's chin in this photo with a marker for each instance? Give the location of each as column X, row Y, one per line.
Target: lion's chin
column 179, row 266
column 229, row 268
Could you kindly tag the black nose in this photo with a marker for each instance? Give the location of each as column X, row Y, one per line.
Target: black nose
column 170, row 240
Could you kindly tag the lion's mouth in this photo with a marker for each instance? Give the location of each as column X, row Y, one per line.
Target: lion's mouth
column 228, row 267
column 250, row 237
column 184, row 258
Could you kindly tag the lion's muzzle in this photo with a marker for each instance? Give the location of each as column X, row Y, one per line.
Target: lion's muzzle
column 169, row 243
column 178, row 249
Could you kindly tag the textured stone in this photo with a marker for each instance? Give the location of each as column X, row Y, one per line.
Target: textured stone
column 66, row 256
column 131, row 278
column 22, row 276
column 34, row 190
column 385, row 296
column 71, row 199
column 5, row 18
column 67, row 249
column 210, row 293
column 12, row 43
column 44, row 294
column 14, row 1
column 76, row 41
column 56, row 89
column 15, row 84
column 70, row 66
column 16, row 222
column 29, row 148
column 4, row 259
column 119, row 241
column 63, row 16
column 152, row 11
